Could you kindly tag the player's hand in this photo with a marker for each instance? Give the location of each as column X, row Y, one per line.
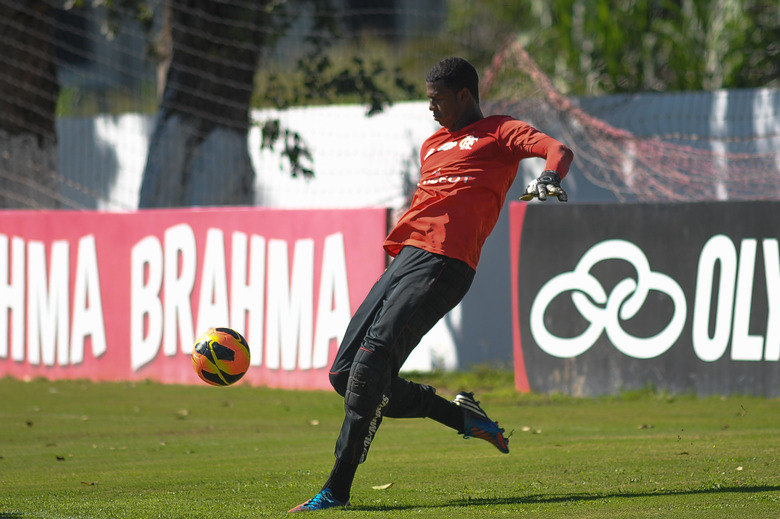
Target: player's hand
column 548, row 184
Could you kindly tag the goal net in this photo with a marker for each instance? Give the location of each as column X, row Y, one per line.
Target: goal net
column 716, row 164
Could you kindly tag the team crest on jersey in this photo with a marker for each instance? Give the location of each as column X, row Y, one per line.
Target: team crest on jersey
column 467, row 142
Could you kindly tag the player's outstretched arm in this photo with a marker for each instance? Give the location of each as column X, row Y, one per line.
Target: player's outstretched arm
column 548, row 184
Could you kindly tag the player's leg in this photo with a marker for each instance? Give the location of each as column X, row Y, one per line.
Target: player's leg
column 416, row 292
column 463, row 414
column 422, row 289
column 413, row 400
column 393, row 331
column 340, row 479
column 335, row 492
column 356, row 330
column 418, row 304
column 426, row 288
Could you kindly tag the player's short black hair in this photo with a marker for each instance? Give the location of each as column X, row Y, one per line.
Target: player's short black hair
column 456, row 74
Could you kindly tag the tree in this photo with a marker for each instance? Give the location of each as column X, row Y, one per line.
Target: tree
column 198, row 152
column 606, row 46
column 28, row 99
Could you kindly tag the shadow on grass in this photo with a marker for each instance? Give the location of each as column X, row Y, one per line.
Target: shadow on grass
column 569, row 498
column 10, row 515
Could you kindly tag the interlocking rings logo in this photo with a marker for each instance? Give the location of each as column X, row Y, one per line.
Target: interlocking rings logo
column 623, row 303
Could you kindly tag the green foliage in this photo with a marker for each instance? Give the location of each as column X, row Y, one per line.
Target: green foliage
column 130, row 450
column 294, row 147
column 114, row 11
column 326, row 73
column 80, row 102
column 606, row 46
column 368, row 72
column 486, row 380
column 317, row 79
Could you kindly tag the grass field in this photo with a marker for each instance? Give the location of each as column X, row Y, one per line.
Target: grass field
column 145, row 450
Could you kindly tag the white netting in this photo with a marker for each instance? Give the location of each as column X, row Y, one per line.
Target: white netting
column 95, row 66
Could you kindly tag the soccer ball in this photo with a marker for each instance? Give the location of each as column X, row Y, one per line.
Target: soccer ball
column 220, row 356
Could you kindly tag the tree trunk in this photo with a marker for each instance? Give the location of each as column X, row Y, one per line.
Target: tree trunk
column 28, row 102
column 198, row 151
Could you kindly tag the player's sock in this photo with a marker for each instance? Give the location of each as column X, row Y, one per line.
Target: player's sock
column 340, row 480
column 447, row 413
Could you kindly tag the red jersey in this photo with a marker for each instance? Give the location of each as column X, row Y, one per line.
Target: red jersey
column 464, row 178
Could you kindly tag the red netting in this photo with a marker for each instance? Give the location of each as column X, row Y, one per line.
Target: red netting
column 635, row 167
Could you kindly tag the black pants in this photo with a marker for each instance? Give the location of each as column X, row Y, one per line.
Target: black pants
column 416, row 290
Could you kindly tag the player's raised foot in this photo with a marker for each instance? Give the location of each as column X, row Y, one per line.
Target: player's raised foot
column 323, row 500
column 477, row 424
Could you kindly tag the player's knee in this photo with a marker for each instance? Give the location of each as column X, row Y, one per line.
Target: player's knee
column 369, row 379
column 339, row 382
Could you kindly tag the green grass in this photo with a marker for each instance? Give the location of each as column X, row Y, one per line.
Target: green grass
column 145, row 450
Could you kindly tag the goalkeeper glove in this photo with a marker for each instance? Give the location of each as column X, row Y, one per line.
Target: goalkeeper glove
column 549, row 183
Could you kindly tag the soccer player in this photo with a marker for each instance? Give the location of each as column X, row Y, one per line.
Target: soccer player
column 467, row 167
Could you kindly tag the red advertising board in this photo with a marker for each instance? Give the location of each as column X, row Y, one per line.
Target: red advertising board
column 122, row 296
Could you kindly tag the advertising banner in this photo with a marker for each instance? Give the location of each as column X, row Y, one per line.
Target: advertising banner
column 123, row 296
column 683, row 297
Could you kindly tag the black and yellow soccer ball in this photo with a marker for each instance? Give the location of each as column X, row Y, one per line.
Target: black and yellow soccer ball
column 220, row 356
